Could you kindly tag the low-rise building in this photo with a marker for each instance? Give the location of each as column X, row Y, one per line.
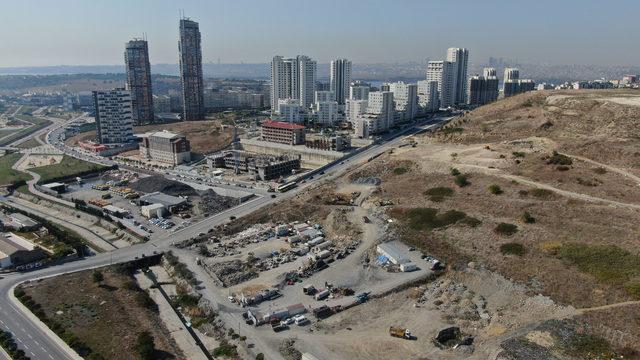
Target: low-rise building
column 334, row 143
column 283, row 133
column 153, row 211
column 165, row 147
column 16, row 251
column 172, row 203
column 393, row 253
column 23, row 223
column 263, row 167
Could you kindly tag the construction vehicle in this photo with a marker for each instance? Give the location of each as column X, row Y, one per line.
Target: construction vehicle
column 400, row 333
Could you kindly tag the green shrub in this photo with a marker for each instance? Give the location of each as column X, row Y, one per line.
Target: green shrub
column 512, row 249
column 438, row 194
column 495, row 189
column 429, row 219
column 559, row 159
column 506, row 229
column 260, row 356
column 471, row 221
column 518, row 154
column 461, row 180
column 542, row 194
column 145, row 346
column 600, row 170
column 455, row 172
column 527, row 218
column 400, row 170
column 144, row 300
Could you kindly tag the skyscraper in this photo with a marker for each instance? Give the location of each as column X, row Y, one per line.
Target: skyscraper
column 191, row 71
column 340, row 79
column 114, row 122
column 460, row 59
column 443, row 73
column 483, row 89
column 293, row 78
column 511, row 74
column 307, row 75
column 136, row 58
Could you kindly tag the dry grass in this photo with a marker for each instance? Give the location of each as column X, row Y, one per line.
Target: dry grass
column 205, row 136
column 107, row 318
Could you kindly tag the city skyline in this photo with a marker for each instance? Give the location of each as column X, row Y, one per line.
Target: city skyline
column 235, row 32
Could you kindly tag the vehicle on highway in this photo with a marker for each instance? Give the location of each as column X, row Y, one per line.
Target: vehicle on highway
column 232, row 217
column 273, row 196
column 286, row 187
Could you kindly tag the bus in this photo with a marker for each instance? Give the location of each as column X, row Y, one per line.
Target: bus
column 286, row 187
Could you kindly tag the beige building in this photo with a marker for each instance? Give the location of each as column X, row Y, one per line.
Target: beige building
column 165, row 147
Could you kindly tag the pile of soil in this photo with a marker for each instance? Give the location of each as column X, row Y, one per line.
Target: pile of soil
column 160, row 183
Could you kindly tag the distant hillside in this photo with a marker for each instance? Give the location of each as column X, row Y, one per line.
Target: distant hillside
column 602, row 125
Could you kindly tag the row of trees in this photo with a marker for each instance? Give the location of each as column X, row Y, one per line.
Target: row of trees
column 8, row 343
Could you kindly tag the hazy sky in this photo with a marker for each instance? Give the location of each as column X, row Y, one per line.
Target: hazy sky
column 92, row 32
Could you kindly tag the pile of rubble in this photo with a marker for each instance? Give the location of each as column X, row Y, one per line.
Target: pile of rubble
column 456, row 301
column 232, row 272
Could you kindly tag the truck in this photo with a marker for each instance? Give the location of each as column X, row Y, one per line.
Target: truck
column 400, row 333
column 322, row 295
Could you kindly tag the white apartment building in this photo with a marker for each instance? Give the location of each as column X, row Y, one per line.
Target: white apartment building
column 307, row 73
column 114, row 119
column 428, row 96
column 460, row 59
column 323, row 96
column 405, row 98
column 356, row 108
column 380, row 114
column 340, row 79
column 326, row 112
column 443, row 73
column 289, row 110
column 359, row 91
column 293, row 78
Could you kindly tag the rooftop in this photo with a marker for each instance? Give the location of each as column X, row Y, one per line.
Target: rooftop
column 23, row 220
column 161, row 198
column 282, row 125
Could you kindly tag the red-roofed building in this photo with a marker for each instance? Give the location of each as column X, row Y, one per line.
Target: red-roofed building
column 283, row 133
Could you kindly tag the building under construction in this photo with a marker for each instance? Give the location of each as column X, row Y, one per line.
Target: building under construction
column 262, row 167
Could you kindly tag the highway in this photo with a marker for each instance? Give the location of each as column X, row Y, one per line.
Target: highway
column 41, row 343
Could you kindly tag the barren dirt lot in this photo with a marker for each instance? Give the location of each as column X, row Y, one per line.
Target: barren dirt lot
column 106, row 317
column 542, row 190
column 205, row 136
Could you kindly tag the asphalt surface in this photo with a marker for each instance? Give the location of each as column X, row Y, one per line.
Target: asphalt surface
column 39, row 345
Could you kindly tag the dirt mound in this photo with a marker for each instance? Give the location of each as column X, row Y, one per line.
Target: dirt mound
column 160, row 183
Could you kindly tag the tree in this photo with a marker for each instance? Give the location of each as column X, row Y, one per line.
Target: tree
column 260, row 356
column 98, row 277
column 145, row 346
column 495, row 189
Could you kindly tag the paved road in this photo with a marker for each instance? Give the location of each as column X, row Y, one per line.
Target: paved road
column 40, row 345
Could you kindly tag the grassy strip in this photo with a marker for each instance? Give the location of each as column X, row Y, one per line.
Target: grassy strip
column 67, row 168
column 8, row 176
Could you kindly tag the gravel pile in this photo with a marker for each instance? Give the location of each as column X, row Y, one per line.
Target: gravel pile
column 212, row 203
column 160, row 183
